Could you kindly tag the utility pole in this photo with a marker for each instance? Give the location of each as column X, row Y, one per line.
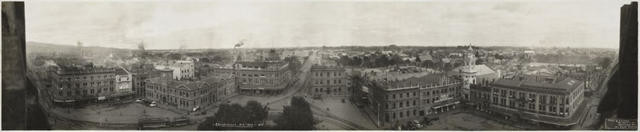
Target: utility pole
column 378, row 114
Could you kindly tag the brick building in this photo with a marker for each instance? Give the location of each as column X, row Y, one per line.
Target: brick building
column 82, row 84
column 258, row 76
column 262, row 77
column 185, row 94
column 139, row 73
column 547, row 100
column 398, row 97
column 328, row 81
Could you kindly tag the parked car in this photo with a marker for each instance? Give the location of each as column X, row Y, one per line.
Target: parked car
column 417, row 123
column 153, row 104
column 139, row 100
column 409, row 126
column 196, row 108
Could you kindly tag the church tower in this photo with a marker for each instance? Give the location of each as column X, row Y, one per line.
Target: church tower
column 467, row 72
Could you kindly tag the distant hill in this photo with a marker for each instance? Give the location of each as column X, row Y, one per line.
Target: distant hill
column 58, row 49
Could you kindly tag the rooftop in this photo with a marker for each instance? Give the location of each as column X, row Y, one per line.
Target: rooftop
column 271, row 65
column 84, row 70
column 326, row 67
column 564, row 84
column 187, row 84
column 411, row 79
column 479, row 69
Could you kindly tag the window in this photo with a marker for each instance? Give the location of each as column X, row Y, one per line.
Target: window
column 532, row 106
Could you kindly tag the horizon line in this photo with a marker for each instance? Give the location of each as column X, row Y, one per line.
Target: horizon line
column 291, row 47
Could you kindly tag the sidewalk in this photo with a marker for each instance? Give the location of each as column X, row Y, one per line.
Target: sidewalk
column 126, row 113
column 344, row 110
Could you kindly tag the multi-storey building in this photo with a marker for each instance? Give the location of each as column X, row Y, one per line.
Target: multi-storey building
column 328, row 81
column 265, row 75
column 139, row 73
column 262, row 77
column 470, row 73
column 124, row 85
column 82, row 84
column 402, row 96
column 183, row 70
column 185, row 94
column 556, row 101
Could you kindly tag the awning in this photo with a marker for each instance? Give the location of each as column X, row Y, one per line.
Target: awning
column 445, row 105
column 58, row 100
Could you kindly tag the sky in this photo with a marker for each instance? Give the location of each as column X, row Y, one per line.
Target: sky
column 264, row 24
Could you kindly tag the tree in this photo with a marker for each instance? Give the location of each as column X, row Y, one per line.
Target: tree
column 256, row 111
column 604, row 62
column 480, row 61
column 252, row 113
column 39, row 61
column 174, row 56
column 297, row 116
column 205, row 60
column 294, row 63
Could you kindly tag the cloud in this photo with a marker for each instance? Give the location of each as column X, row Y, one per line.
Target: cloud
column 267, row 24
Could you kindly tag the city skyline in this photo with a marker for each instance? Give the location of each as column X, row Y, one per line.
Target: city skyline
column 221, row 24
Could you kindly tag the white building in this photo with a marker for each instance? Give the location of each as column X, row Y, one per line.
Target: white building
column 183, row 70
column 471, row 73
column 124, row 86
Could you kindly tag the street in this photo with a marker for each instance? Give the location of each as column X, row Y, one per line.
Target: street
column 591, row 117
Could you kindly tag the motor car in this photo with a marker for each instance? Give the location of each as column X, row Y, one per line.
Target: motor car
column 139, row 100
column 409, row 126
column 153, row 104
column 196, row 108
column 417, row 124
